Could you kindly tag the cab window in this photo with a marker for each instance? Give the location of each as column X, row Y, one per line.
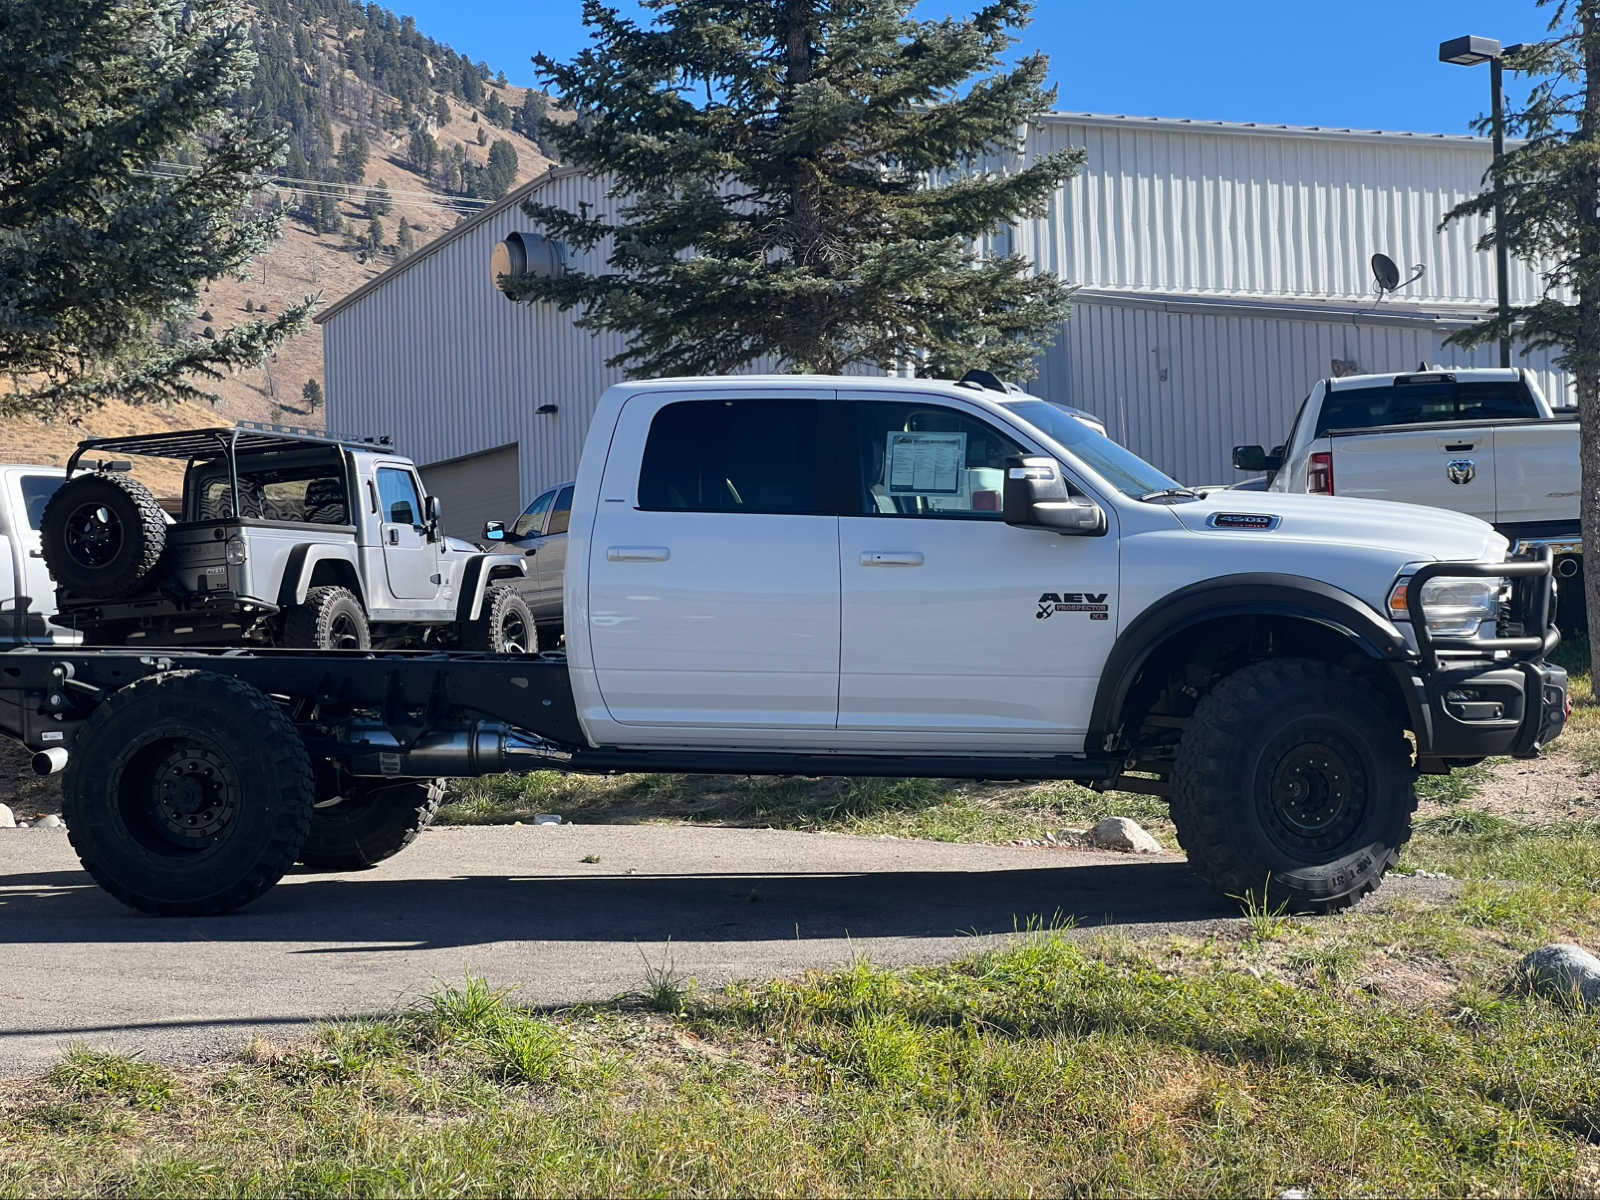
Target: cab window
column 738, row 456
column 923, row 460
column 531, row 522
column 398, row 498
column 561, row 514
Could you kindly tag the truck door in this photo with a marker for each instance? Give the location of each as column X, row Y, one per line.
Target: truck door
column 714, row 564
column 522, row 537
column 410, row 560
column 550, row 556
column 953, row 621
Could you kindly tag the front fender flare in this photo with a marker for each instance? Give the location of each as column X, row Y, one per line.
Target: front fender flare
column 478, row 574
column 1262, row 594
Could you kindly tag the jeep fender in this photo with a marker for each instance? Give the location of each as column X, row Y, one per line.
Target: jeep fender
column 479, row 573
column 1256, row 594
column 302, row 565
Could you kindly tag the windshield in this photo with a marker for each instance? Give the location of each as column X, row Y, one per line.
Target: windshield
column 1118, row 466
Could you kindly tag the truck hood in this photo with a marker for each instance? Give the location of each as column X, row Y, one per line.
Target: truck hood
column 1412, row 530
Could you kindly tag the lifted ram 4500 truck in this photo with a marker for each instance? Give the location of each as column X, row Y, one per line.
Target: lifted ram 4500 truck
column 833, row 576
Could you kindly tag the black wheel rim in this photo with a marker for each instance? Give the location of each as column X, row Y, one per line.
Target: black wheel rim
column 344, row 633
column 93, row 536
column 1313, row 795
column 180, row 796
column 513, row 633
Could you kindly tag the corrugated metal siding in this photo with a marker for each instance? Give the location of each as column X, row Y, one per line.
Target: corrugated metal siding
column 1164, row 209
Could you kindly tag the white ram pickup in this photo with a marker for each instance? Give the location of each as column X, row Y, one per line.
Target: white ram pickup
column 853, row 576
column 1483, row 441
column 27, row 593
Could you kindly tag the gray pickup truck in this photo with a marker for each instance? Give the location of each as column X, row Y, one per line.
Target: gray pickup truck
column 285, row 537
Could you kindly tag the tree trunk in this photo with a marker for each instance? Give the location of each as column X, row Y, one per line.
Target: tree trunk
column 805, row 231
column 1585, row 356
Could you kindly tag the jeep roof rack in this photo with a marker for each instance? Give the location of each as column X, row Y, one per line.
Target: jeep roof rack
column 210, row 445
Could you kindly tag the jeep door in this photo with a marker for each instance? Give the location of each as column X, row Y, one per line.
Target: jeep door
column 410, row 558
column 951, row 620
column 713, row 594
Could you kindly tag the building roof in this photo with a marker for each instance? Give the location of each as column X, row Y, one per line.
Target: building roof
column 1101, row 120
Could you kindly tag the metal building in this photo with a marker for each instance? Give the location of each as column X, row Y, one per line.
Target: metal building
column 1222, row 269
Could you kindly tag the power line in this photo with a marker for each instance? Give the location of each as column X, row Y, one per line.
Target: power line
column 336, row 190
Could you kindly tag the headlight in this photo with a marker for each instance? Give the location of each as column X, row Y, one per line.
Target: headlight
column 1454, row 607
column 236, row 551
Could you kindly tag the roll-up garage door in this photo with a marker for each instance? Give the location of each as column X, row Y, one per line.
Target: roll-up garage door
column 477, row 488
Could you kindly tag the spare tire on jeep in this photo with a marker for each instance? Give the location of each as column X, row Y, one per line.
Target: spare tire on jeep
column 103, row 535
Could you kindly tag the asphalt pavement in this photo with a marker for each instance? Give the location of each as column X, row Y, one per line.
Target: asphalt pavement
column 519, row 906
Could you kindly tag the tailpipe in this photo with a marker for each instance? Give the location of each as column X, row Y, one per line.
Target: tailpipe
column 51, row 761
column 483, row 748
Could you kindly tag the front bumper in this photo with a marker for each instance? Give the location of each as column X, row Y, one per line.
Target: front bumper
column 1503, row 699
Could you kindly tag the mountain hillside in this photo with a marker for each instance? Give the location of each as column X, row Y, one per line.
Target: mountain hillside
column 365, row 100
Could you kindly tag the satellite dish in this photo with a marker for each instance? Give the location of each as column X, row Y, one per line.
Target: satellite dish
column 1385, row 272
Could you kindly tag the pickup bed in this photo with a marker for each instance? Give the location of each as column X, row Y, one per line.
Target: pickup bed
column 842, row 576
column 1483, row 441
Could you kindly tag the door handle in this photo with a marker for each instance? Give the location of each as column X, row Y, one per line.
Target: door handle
column 638, row 554
column 394, row 537
column 891, row 558
column 35, row 553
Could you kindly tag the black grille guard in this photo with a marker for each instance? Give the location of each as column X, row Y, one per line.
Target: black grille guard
column 1532, row 604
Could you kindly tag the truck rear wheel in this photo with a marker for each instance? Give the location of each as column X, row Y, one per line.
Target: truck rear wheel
column 1293, row 785
column 330, row 619
column 187, row 794
column 505, row 625
column 371, row 820
column 102, row 534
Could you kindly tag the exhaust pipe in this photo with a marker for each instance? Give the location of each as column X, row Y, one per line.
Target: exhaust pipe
column 484, row 748
column 1567, row 568
column 49, row 762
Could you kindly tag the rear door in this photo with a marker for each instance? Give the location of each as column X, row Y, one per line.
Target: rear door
column 714, row 565
column 522, row 538
column 410, row 560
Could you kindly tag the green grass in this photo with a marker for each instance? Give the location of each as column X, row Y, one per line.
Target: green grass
column 1050, row 1067
column 939, row 809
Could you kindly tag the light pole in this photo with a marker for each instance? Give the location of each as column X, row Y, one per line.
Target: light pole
column 1469, row 52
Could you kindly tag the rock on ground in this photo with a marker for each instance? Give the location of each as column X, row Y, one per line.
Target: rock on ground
column 1119, row 833
column 1563, row 971
column 50, row 821
column 8, row 819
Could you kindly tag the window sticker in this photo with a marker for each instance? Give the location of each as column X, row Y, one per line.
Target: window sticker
column 925, row 464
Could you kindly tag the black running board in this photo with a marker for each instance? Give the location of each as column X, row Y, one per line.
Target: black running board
column 764, row 762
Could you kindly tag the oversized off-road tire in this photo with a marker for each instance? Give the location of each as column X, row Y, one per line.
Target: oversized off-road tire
column 1293, row 785
column 371, row 820
column 330, row 619
column 505, row 626
column 102, row 535
column 187, row 794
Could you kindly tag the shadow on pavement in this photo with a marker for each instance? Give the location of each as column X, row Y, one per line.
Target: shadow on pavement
column 338, row 914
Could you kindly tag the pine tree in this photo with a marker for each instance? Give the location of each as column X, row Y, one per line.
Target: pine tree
column 441, row 112
column 312, row 395
column 501, row 172
column 353, row 153
column 374, row 235
column 1548, row 187
column 423, row 151
column 379, row 202
column 833, row 184
column 405, row 241
column 99, row 256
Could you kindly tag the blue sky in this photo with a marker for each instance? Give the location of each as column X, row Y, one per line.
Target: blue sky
column 1361, row 63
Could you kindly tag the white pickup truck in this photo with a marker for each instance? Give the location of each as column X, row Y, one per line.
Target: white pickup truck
column 1483, row 441
column 854, row 576
column 27, row 593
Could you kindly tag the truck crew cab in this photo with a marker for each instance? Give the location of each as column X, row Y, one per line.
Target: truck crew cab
column 852, row 576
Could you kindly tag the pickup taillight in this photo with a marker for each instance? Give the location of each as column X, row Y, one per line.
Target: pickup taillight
column 1319, row 475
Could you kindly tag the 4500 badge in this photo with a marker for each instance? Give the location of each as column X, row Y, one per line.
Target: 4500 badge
column 1093, row 603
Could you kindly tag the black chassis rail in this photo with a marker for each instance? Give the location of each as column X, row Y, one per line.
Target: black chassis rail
column 46, row 693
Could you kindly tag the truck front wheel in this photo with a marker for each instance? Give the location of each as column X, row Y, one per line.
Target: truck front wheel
column 187, row 794
column 368, row 821
column 1293, row 785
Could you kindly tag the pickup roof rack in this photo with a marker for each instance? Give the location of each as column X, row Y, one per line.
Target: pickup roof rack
column 213, row 445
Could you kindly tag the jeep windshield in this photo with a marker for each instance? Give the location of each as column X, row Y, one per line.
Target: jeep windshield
column 1117, row 465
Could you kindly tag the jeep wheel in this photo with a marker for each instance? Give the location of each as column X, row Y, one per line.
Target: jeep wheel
column 102, row 535
column 330, row 619
column 1293, row 785
column 187, row 794
column 373, row 819
column 505, row 625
